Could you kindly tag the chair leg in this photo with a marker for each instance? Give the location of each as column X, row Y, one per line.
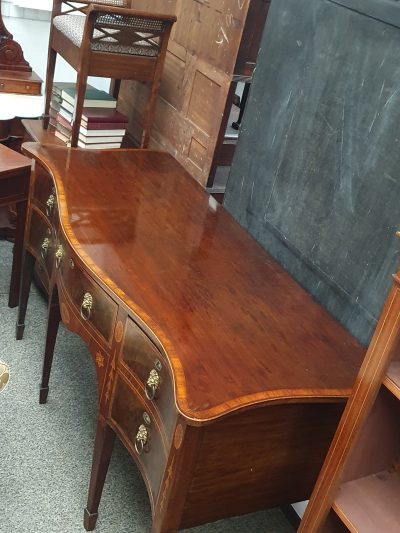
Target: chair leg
column 28, row 262
column 51, row 65
column 115, row 87
column 148, row 114
column 81, row 83
column 53, row 321
column 103, row 448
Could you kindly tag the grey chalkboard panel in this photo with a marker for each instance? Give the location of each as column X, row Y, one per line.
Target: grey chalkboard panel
column 316, row 175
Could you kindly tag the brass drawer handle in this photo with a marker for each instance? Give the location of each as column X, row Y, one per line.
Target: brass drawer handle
column 152, row 384
column 50, row 204
column 45, row 247
column 59, row 255
column 86, row 306
column 141, row 439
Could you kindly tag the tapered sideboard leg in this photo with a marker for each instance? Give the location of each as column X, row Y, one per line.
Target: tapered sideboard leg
column 103, row 448
column 53, row 321
column 28, row 263
column 17, row 255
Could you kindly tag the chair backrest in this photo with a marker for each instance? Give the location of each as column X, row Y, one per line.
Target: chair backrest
column 135, row 34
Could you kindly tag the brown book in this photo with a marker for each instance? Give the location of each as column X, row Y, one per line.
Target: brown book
column 65, row 126
column 103, row 115
column 61, row 120
column 103, row 125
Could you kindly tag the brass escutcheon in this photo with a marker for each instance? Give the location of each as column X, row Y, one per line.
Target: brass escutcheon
column 59, row 255
column 45, row 247
column 86, row 306
column 50, row 204
column 141, row 439
column 152, row 384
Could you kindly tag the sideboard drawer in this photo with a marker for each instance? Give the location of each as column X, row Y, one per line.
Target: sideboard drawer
column 138, row 429
column 96, row 308
column 44, row 193
column 142, row 357
column 41, row 240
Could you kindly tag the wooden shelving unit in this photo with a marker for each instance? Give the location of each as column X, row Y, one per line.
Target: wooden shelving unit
column 368, row 498
column 358, row 489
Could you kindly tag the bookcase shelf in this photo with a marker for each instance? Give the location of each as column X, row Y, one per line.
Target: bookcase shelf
column 358, row 489
column 370, row 504
column 392, row 379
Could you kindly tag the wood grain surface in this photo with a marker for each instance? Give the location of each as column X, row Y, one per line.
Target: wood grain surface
column 234, row 326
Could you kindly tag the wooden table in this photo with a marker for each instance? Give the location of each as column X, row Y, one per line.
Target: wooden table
column 14, row 188
column 221, row 376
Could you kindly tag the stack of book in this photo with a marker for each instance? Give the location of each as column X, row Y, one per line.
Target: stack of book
column 102, row 126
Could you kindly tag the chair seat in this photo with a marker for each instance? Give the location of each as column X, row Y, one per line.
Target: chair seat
column 72, row 27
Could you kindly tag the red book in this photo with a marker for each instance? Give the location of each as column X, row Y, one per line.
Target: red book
column 61, row 120
column 103, row 115
column 104, row 125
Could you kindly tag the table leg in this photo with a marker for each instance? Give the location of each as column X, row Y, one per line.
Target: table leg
column 103, row 447
column 17, row 255
column 53, row 321
column 28, row 262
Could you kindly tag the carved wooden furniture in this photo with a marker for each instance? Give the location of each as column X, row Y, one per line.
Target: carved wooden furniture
column 16, row 80
column 358, row 488
column 220, row 375
column 16, row 74
column 112, row 42
column 15, row 170
column 213, row 45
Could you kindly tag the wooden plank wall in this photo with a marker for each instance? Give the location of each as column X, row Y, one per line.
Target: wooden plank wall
column 196, row 79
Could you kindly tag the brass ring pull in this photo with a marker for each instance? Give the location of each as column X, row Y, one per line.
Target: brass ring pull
column 152, row 384
column 59, row 255
column 45, row 247
column 86, row 306
column 50, row 204
column 141, row 439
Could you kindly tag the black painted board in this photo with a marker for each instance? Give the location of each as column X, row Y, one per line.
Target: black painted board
column 316, row 173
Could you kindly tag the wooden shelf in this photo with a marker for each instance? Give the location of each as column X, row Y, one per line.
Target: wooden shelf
column 370, row 504
column 392, row 378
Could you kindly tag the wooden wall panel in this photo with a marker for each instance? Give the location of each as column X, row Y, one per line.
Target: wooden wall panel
column 196, row 79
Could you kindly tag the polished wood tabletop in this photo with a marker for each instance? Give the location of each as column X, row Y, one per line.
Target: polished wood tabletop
column 236, row 327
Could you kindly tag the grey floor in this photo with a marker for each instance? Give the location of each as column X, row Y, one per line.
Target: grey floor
column 45, row 451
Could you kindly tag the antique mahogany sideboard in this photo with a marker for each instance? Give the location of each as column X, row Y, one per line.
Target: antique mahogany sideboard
column 221, row 376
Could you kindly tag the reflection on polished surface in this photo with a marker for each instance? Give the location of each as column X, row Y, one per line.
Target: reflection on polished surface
column 221, row 376
column 211, row 278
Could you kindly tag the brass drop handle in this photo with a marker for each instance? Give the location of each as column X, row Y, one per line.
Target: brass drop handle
column 152, row 384
column 141, row 439
column 59, row 255
column 45, row 247
column 50, row 204
column 86, row 306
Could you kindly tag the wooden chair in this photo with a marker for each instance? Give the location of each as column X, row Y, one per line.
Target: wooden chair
column 110, row 41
